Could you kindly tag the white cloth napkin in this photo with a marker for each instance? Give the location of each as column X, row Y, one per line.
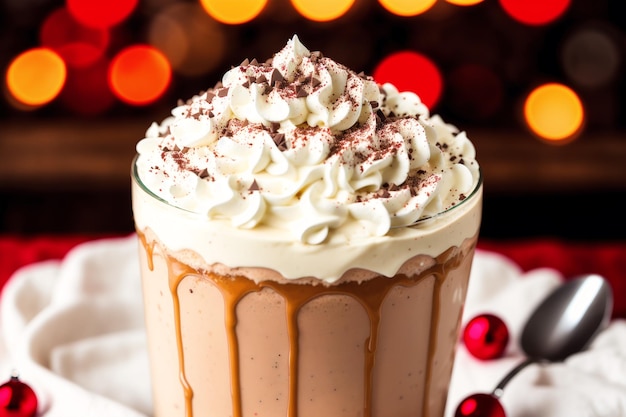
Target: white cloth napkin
column 73, row 329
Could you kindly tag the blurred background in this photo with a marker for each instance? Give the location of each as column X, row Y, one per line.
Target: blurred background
column 537, row 84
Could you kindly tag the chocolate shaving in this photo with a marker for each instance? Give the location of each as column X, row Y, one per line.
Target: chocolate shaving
column 301, row 92
column 203, row 174
column 276, row 78
column 245, row 63
column 254, row 186
column 223, row 92
column 279, row 140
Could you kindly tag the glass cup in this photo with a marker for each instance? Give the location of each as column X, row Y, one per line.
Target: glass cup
column 247, row 342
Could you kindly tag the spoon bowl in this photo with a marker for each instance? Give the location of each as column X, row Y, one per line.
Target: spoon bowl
column 568, row 319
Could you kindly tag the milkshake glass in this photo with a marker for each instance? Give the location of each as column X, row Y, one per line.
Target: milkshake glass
column 303, row 266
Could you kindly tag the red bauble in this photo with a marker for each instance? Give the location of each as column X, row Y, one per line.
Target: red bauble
column 17, row 399
column 480, row 405
column 486, row 336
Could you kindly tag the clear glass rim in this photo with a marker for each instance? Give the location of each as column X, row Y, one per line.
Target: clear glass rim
column 470, row 196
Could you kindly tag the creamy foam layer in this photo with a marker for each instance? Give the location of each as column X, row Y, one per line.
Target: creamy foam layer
column 304, row 151
column 251, row 251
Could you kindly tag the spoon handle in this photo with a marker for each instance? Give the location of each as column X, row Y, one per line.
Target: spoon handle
column 499, row 389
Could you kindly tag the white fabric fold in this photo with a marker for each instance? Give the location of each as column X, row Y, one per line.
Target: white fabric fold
column 74, row 331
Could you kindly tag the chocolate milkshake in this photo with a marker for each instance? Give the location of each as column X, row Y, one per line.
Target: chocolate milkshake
column 306, row 242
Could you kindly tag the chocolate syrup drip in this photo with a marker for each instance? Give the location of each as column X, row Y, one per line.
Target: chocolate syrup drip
column 370, row 294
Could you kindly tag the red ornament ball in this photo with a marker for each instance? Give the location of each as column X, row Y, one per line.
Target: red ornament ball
column 486, row 336
column 480, row 405
column 17, row 399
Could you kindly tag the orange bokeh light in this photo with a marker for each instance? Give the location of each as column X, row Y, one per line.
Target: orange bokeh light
column 139, row 74
column 99, row 13
column 233, row 12
column 535, row 12
column 79, row 45
column 554, row 112
column 322, row 10
column 411, row 71
column 36, row 76
column 407, row 7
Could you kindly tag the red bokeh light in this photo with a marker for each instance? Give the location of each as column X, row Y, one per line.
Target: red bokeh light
column 411, row 71
column 87, row 90
column 80, row 46
column 101, row 14
column 535, row 12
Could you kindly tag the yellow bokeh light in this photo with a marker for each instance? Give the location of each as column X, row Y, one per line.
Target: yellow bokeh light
column 322, row 10
column 407, row 7
column 464, row 2
column 233, row 12
column 554, row 112
column 36, row 77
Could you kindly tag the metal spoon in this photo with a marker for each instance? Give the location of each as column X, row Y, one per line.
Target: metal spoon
column 564, row 323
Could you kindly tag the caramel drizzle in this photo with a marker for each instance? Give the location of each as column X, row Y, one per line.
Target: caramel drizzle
column 370, row 294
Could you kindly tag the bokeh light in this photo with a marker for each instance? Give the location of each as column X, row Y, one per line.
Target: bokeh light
column 407, row 7
column 591, row 58
column 535, row 12
column 139, row 74
column 100, row 13
column 474, row 92
column 464, row 2
column 554, row 112
column 193, row 43
column 233, row 12
column 36, row 76
column 411, row 71
column 322, row 10
column 87, row 91
column 79, row 45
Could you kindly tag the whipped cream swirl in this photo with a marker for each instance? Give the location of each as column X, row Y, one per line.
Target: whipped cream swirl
column 304, row 144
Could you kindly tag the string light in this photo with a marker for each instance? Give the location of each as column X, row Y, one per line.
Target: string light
column 139, row 74
column 233, row 12
column 36, row 76
column 535, row 12
column 554, row 112
column 322, row 10
column 411, row 71
column 407, row 7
